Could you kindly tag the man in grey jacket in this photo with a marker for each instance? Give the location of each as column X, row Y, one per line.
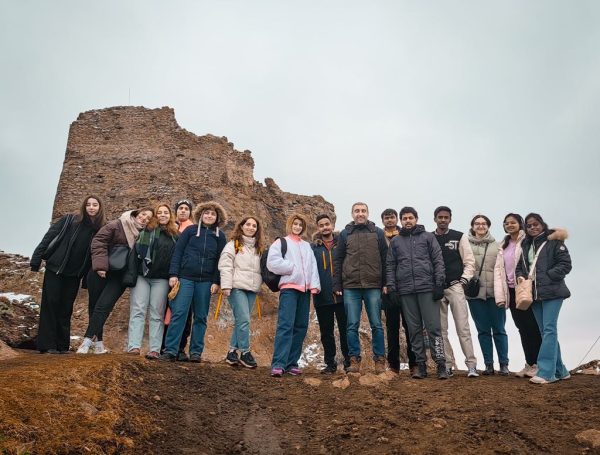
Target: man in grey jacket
column 415, row 275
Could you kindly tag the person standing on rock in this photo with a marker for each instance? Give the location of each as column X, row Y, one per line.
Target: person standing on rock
column 459, row 264
column 489, row 318
column 299, row 279
column 392, row 307
column 67, row 262
column 183, row 215
column 504, row 292
column 105, row 285
column 239, row 265
column 359, row 275
column 415, row 276
column 194, row 266
column 549, row 291
column 154, row 249
column 328, row 305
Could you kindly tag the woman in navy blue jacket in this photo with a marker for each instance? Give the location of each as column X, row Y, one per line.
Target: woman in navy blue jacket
column 194, row 266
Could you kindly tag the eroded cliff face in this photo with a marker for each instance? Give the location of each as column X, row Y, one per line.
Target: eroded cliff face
column 133, row 156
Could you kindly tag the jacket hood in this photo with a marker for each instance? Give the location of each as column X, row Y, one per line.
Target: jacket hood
column 221, row 213
column 317, row 238
column 558, row 234
column 350, row 227
column 418, row 229
column 487, row 239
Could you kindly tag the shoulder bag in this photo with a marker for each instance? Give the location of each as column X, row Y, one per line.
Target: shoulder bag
column 524, row 289
column 474, row 284
column 55, row 242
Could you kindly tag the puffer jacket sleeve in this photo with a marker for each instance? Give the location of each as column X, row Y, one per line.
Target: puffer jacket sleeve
column 315, row 282
column 468, row 258
column 100, row 244
column 500, row 285
column 561, row 261
column 390, row 267
column 226, row 265
column 180, row 247
column 53, row 231
column 278, row 264
column 339, row 254
column 437, row 258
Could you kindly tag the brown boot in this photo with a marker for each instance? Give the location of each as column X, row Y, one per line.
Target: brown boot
column 379, row 365
column 354, row 365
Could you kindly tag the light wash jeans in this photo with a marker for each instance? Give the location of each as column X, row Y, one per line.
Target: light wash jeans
column 242, row 304
column 490, row 320
column 149, row 294
column 353, row 299
column 196, row 293
column 292, row 324
column 549, row 361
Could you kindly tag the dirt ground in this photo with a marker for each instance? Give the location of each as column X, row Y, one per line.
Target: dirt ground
column 118, row 404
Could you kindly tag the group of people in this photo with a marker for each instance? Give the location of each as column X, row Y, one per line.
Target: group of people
column 173, row 262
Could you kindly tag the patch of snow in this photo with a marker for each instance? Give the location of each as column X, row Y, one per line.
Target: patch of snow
column 16, row 298
column 75, row 337
column 310, row 355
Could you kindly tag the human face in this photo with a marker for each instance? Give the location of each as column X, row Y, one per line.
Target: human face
column 390, row 221
column 360, row 214
column 325, row 227
column 443, row 219
column 209, row 217
column 511, row 225
column 480, row 227
column 250, row 227
column 534, row 227
column 164, row 215
column 297, row 227
column 92, row 207
column 143, row 217
column 183, row 213
column 408, row 221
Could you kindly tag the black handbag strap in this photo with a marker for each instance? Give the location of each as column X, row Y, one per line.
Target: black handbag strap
column 483, row 260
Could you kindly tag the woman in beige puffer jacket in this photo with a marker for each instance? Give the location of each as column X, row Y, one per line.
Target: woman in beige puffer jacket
column 239, row 266
column 489, row 318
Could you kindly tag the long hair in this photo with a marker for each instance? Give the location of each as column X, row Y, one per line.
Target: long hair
column 297, row 216
column 487, row 220
column 99, row 220
column 170, row 228
column 538, row 217
column 519, row 220
column 259, row 245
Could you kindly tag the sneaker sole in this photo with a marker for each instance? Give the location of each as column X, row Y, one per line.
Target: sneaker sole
column 247, row 365
column 232, row 363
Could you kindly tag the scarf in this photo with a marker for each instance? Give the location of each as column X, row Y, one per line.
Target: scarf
column 131, row 227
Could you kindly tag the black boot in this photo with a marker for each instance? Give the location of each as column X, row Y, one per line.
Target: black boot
column 489, row 369
column 442, row 373
column 420, row 372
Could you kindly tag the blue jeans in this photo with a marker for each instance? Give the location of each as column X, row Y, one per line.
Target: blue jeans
column 549, row 361
column 353, row 299
column 292, row 324
column 242, row 303
column 196, row 293
column 490, row 320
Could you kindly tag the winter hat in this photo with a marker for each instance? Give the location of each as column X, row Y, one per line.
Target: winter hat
column 184, row 202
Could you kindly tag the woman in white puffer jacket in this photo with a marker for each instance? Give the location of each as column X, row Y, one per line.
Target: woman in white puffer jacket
column 239, row 265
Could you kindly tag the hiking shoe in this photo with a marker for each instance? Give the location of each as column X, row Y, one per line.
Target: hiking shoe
column 489, row 370
column 420, row 371
column 538, row 380
column 134, row 351
column 85, row 346
column 442, row 373
column 195, row 358
column 379, row 365
column 295, row 371
column 182, row 357
column 522, row 373
column 329, row 369
column 449, row 372
column 504, row 370
column 247, row 360
column 232, row 358
column 152, row 355
column 354, row 365
column 99, row 348
column 413, row 370
column 346, row 364
column 276, row 372
column 167, row 357
column 472, row 373
column 533, row 371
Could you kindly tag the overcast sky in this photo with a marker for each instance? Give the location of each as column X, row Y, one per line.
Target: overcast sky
column 483, row 106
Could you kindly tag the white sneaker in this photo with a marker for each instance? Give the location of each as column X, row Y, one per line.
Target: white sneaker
column 533, row 371
column 564, row 378
column 524, row 372
column 472, row 373
column 538, row 380
column 99, row 348
column 85, row 346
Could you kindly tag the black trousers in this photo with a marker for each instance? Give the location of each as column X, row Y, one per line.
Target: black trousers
column 187, row 330
column 393, row 317
column 104, row 294
column 326, row 315
column 531, row 340
column 58, row 295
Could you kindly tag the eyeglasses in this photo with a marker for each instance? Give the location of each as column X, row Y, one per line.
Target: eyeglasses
column 183, row 201
column 532, row 225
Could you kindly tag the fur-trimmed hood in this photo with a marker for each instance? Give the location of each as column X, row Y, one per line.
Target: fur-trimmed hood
column 221, row 213
column 558, row 234
column 317, row 238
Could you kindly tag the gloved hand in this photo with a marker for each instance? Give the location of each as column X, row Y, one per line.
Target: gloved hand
column 438, row 293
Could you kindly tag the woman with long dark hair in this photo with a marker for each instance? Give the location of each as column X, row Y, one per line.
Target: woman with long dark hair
column 154, row 249
column 239, row 265
column 545, row 249
column 504, row 292
column 67, row 262
column 105, row 286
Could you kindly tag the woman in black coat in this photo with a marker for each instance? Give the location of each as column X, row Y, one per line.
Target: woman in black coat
column 66, row 250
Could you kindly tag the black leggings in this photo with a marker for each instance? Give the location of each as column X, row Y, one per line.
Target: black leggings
column 529, row 331
column 104, row 294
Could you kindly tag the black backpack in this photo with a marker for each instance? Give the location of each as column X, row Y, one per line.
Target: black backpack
column 269, row 278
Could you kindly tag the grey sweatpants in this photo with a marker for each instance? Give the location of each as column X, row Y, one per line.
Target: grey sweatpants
column 420, row 310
